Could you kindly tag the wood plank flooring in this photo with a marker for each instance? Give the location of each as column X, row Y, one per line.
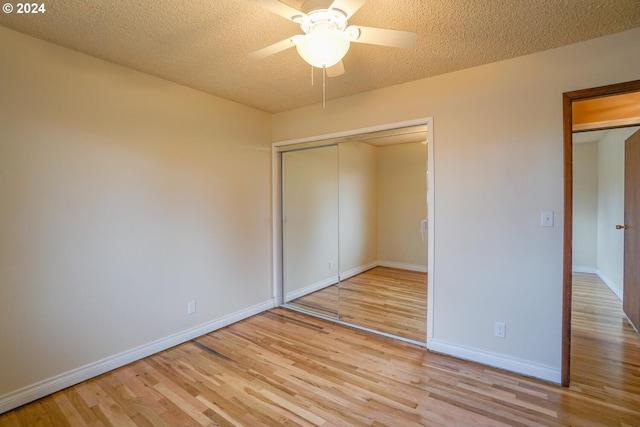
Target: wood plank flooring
column 384, row 299
column 284, row 368
column 605, row 348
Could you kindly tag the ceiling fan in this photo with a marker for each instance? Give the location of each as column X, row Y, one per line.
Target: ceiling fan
column 327, row 37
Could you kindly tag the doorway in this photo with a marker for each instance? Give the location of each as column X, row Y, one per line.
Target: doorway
column 571, row 99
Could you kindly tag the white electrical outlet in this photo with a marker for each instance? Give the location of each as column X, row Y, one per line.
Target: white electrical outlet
column 546, row 219
column 330, row 265
column 191, row 307
column 500, row 330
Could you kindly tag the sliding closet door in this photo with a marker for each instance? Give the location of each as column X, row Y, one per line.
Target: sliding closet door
column 383, row 242
column 354, row 233
column 402, row 235
column 310, row 229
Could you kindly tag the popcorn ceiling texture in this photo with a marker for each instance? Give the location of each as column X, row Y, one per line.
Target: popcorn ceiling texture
column 204, row 43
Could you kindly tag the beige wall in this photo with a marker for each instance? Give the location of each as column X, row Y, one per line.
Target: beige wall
column 122, row 197
column 358, row 206
column 585, row 207
column 402, row 205
column 498, row 164
column 310, row 216
column 611, row 207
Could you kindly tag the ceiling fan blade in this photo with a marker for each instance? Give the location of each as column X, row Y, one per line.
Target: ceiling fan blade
column 278, row 8
column 336, row 70
column 384, row 37
column 272, row 49
column 348, row 6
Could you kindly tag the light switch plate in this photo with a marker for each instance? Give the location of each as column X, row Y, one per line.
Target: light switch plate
column 546, row 219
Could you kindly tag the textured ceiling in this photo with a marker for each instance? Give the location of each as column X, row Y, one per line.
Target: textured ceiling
column 204, row 43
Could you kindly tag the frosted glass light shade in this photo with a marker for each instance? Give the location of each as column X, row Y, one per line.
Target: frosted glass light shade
column 323, row 48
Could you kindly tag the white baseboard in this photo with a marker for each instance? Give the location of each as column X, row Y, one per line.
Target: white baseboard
column 403, row 266
column 360, row 269
column 582, row 269
column 289, row 296
column 522, row 367
column 51, row 385
column 617, row 290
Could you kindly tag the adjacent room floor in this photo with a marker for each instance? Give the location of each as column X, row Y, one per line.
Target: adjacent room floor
column 605, row 349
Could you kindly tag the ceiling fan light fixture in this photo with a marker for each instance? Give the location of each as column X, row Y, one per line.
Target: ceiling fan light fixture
column 322, row 48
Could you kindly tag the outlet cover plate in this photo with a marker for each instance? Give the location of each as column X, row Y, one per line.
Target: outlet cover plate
column 500, row 330
column 191, row 307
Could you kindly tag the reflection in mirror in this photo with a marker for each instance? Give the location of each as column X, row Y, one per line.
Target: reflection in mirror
column 381, row 212
column 391, row 297
column 310, row 228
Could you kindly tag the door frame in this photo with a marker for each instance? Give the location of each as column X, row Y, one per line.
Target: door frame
column 567, row 100
column 276, row 194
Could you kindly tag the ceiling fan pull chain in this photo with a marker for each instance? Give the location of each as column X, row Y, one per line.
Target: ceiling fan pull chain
column 324, row 85
column 312, row 75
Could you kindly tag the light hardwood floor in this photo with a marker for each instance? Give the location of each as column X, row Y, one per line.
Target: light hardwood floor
column 384, row 299
column 284, row 368
column 605, row 348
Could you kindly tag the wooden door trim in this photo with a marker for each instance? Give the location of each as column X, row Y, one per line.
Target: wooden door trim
column 567, row 99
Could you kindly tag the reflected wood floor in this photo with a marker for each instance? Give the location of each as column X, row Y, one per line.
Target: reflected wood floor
column 384, row 299
column 284, row 368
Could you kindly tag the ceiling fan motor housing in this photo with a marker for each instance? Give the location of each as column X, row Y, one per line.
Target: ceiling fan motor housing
column 322, row 19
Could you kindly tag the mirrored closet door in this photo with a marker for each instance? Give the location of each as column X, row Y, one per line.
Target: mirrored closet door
column 354, row 231
column 310, row 229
